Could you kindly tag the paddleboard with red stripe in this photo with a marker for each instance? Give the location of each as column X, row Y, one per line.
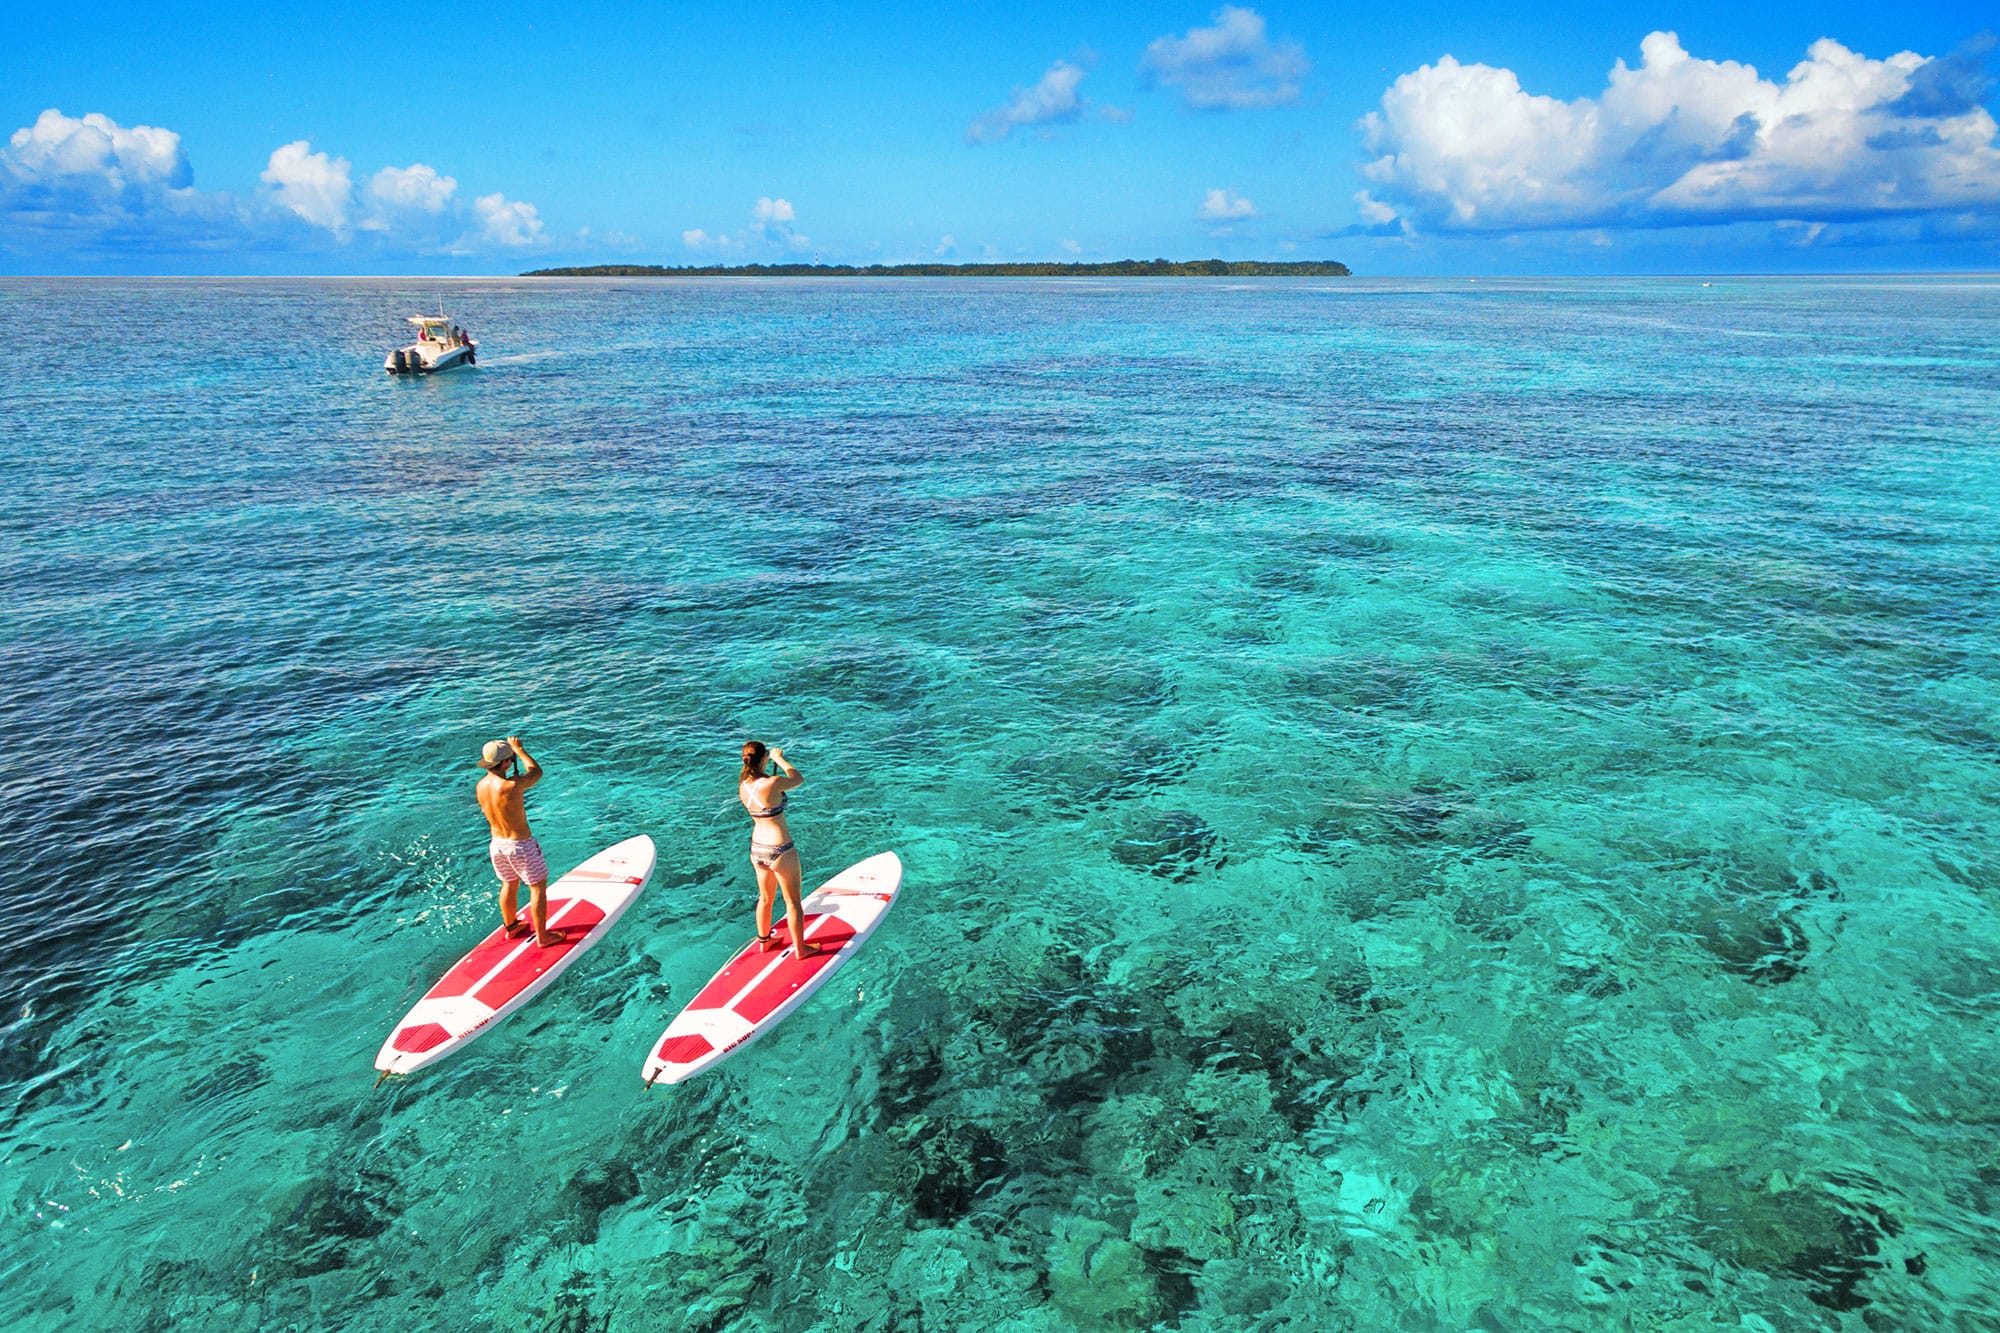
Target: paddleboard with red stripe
column 755, row 990
column 501, row 974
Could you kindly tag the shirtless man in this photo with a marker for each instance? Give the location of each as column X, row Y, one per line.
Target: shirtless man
column 515, row 854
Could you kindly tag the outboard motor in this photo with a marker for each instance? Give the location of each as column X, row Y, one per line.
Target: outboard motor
column 397, row 365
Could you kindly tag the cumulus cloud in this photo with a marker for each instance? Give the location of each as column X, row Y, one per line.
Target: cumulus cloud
column 313, row 185
column 416, row 187
column 1232, row 65
column 1052, row 100
column 770, row 229
column 1682, row 140
column 89, row 193
column 1223, row 206
column 505, row 221
column 96, row 151
column 1373, row 211
column 73, row 186
column 773, row 219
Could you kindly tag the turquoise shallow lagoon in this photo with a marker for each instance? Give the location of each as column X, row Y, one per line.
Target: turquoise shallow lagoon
column 1427, row 806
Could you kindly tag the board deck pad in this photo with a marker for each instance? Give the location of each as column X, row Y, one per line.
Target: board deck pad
column 501, row 974
column 756, row 989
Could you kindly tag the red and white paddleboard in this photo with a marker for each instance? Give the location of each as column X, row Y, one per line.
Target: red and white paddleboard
column 500, row 974
column 754, row 992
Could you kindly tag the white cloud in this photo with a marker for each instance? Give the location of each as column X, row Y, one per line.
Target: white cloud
column 1222, row 206
column 773, row 225
column 946, row 244
column 89, row 194
column 1231, row 66
column 1072, row 247
column 770, row 229
column 1682, row 140
column 413, row 187
column 1052, row 100
column 1373, row 211
column 313, row 185
column 96, row 150
column 507, row 221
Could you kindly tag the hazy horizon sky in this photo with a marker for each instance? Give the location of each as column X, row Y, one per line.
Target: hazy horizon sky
column 1693, row 137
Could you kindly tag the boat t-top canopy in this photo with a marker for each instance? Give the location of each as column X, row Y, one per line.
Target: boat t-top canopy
column 429, row 321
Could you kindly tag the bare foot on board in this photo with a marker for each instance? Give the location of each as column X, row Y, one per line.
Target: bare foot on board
column 552, row 939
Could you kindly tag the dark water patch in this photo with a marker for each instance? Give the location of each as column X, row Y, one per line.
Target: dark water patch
column 1423, row 819
column 1366, row 686
column 1412, row 819
column 1592, row 981
column 1484, row 834
column 1173, row 844
column 1748, row 912
column 591, row 609
column 594, row 1191
column 1079, row 1041
column 1173, row 1273
column 572, row 1310
column 85, row 819
column 669, row 1132
column 1312, row 1077
column 1105, row 687
column 949, row 1164
column 1237, row 627
column 1355, row 545
column 885, row 675
column 908, row 1079
column 1761, row 946
column 233, row 1078
column 1812, row 1233
column 327, row 1220
column 1086, row 774
column 1048, row 619
column 1291, row 576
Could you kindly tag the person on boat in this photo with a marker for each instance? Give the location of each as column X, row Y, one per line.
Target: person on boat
column 516, row 856
column 772, row 854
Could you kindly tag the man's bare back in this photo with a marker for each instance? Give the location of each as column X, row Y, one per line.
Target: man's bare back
column 516, row 856
column 500, row 798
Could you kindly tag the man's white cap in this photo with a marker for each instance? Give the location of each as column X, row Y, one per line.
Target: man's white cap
column 494, row 755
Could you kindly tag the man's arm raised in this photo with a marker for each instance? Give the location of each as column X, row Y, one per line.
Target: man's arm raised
column 531, row 772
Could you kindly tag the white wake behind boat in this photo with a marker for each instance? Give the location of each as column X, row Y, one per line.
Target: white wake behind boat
column 440, row 345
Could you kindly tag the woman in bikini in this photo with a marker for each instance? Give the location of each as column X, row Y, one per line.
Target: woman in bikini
column 771, row 852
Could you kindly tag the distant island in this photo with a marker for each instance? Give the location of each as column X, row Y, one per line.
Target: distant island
column 1123, row 268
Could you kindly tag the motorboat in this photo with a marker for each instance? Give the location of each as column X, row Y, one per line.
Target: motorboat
column 440, row 345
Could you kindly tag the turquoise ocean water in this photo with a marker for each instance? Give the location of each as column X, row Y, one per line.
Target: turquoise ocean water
column 1427, row 806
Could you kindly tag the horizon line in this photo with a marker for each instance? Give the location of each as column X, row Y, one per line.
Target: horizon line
column 544, row 275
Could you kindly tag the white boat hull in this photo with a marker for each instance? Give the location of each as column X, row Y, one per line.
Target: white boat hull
column 428, row 358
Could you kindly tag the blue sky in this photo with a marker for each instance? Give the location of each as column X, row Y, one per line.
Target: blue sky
column 1414, row 138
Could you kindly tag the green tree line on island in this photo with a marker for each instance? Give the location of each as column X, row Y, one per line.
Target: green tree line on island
column 1123, row 268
